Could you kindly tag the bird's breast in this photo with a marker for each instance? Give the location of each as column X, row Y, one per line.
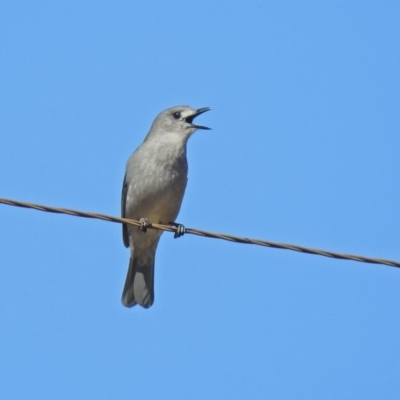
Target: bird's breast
column 156, row 186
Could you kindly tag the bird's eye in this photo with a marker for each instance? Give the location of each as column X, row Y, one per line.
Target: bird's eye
column 177, row 115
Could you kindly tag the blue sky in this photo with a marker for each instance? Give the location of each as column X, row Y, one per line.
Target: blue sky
column 304, row 149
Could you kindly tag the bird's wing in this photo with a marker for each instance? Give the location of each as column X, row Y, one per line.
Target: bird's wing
column 125, row 235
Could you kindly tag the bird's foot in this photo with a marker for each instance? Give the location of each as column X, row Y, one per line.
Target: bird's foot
column 180, row 229
column 144, row 224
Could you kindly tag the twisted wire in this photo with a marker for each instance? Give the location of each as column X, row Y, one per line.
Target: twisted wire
column 198, row 232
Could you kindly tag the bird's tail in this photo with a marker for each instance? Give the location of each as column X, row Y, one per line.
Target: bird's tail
column 139, row 284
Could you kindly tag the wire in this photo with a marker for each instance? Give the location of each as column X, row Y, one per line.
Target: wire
column 199, row 232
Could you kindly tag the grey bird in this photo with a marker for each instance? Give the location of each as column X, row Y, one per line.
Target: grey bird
column 153, row 189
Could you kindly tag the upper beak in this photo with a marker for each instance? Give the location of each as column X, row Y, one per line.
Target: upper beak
column 193, row 116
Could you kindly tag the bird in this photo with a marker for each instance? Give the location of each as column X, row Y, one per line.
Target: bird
column 152, row 192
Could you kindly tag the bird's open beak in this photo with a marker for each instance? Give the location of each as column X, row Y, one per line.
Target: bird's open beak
column 190, row 118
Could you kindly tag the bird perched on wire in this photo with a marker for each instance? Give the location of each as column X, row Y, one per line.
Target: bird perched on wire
column 154, row 185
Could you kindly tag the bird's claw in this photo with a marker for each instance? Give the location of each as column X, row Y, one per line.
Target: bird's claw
column 144, row 224
column 180, row 230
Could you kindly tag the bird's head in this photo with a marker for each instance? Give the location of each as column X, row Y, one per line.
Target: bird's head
column 179, row 120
